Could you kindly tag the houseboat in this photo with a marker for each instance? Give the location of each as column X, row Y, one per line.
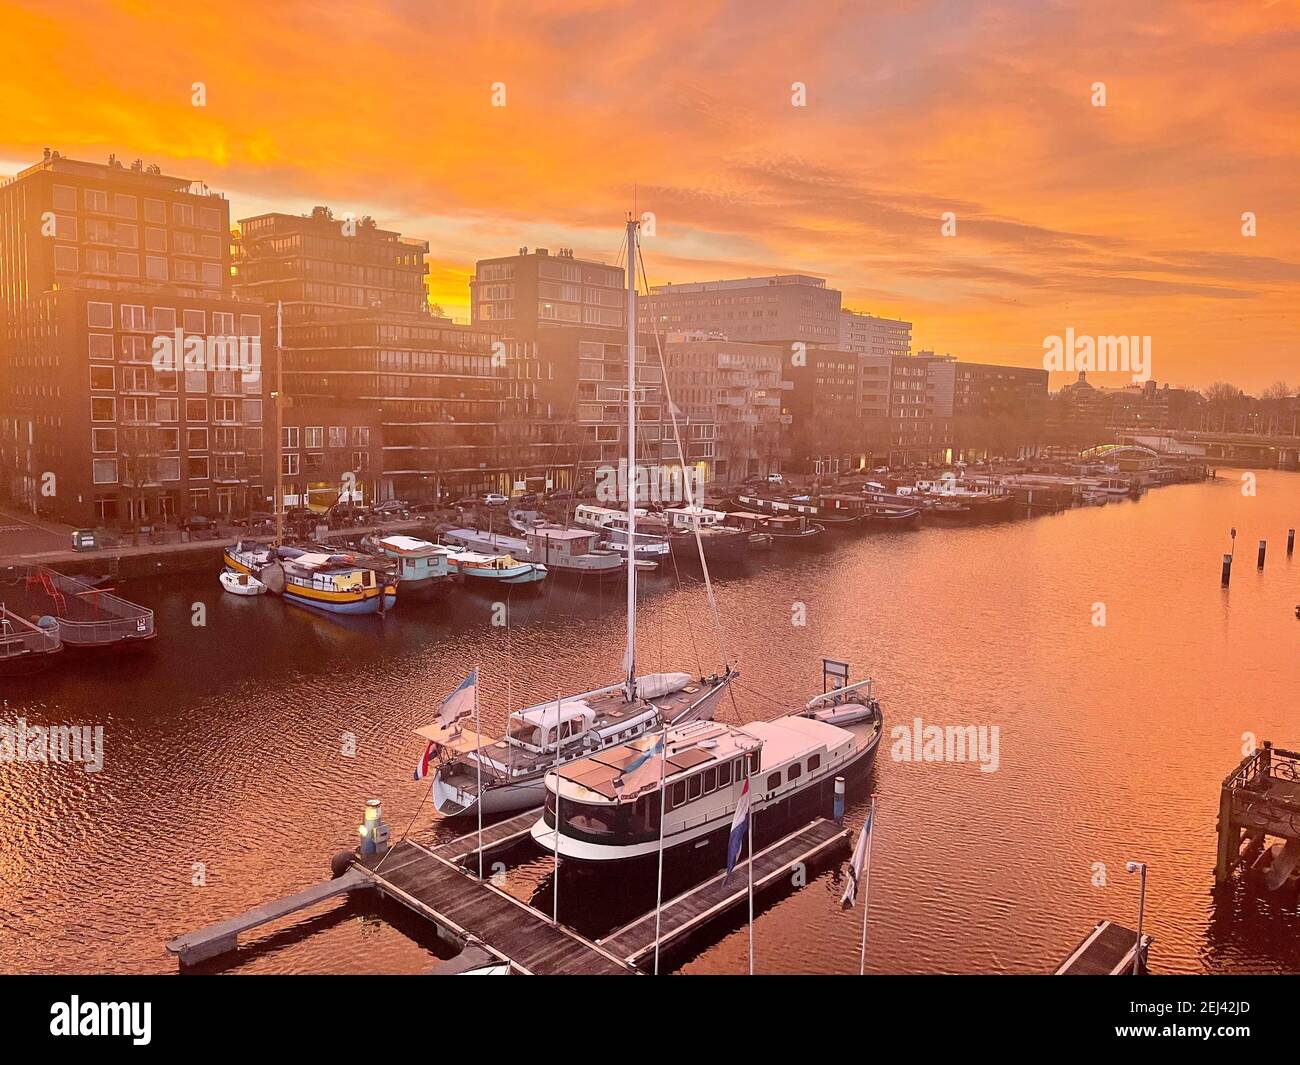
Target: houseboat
column 608, row 815
column 830, row 517
column 721, row 543
column 247, row 556
column 423, row 568
column 562, row 550
column 337, row 583
column 612, row 524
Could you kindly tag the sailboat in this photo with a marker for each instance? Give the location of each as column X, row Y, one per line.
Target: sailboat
column 485, row 775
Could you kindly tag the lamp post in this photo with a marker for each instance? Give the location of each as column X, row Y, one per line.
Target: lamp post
column 1139, row 867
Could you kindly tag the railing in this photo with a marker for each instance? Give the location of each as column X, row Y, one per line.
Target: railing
column 127, row 620
column 19, row 636
column 1258, row 802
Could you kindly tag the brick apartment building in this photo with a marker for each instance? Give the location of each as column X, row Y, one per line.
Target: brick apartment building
column 97, row 262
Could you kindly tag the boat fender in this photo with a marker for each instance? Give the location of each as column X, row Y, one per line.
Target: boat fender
column 340, row 864
column 355, row 588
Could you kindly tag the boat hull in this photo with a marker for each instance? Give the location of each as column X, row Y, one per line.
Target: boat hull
column 368, row 602
column 707, row 843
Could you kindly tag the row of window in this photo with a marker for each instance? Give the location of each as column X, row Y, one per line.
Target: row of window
column 155, row 469
column 144, row 378
column 313, row 436
column 124, row 205
column 163, row 441
column 291, row 464
column 132, row 316
column 149, row 409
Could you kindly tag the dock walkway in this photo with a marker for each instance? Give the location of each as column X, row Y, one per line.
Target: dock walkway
column 682, row 915
column 474, row 909
column 1106, row 951
column 462, row 849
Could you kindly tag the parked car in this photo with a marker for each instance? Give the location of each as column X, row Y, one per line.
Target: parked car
column 774, row 478
column 392, row 508
column 495, row 499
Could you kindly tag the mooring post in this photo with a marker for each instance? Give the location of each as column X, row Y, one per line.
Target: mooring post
column 1263, row 548
column 1228, row 841
column 839, row 801
column 1290, row 542
column 1227, row 569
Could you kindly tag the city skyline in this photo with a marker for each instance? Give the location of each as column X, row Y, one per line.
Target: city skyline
column 1122, row 219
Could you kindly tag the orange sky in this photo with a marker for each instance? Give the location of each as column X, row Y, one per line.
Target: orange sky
column 1123, row 219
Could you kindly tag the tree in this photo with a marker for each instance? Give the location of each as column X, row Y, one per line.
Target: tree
column 139, row 452
column 1221, row 397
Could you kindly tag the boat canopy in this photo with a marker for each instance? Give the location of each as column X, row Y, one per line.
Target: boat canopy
column 566, row 710
column 410, row 545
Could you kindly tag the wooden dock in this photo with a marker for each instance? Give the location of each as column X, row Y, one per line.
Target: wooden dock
column 635, row 942
column 497, row 837
column 1259, row 799
column 476, row 910
column 215, row 939
column 1106, row 951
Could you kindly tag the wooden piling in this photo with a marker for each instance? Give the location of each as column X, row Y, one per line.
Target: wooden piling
column 1226, row 576
column 1263, row 549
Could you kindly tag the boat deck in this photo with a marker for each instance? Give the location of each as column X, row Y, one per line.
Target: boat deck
column 474, row 909
column 635, row 942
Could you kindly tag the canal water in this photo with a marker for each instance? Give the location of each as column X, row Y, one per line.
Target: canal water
column 239, row 752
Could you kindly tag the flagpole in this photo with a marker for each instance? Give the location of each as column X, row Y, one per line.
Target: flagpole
column 478, row 761
column 659, row 893
column 555, row 876
column 748, row 775
column 866, row 889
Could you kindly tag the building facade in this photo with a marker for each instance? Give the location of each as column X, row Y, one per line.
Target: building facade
column 133, row 385
column 869, row 334
column 781, row 308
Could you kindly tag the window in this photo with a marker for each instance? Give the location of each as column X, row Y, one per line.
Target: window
column 196, row 467
column 103, row 440
column 315, row 436
column 105, row 471
column 250, row 325
column 183, row 214
column 133, row 317
column 289, row 464
column 155, row 239
column 169, row 469
column 169, row 439
column 814, row 763
column 196, row 439
column 164, row 319
column 710, row 780
column 695, row 786
column 99, row 315
column 65, row 258
column 166, row 410
column 196, row 410
column 253, row 410
column 338, row 436
column 724, row 774
column 250, row 383
column 101, row 345
column 360, row 460
column 65, row 198
column 773, row 782
column 124, row 205
column 361, row 436
column 127, row 236
column 677, row 795
column 192, row 321
column 196, row 381
column 225, row 410
column 133, row 347
column 103, row 410
column 794, row 772
column 95, row 200
column 289, row 437
column 155, row 268
column 155, row 211
column 128, row 264
column 101, row 378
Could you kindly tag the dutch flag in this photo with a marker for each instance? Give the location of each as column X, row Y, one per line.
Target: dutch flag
column 739, row 826
column 422, row 770
column 859, row 861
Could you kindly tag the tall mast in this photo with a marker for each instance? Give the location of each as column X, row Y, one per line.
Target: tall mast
column 629, row 658
column 279, row 424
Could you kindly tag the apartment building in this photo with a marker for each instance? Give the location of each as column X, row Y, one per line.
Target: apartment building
column 780, row 308
column 107, row 272
column 869, row 334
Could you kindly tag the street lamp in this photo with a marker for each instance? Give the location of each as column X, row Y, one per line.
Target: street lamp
column 1139, row 867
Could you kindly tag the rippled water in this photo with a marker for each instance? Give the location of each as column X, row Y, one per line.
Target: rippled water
column 225, row 745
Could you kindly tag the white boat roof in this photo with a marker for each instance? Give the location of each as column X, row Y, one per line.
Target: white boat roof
column 556, row 532
column 544, row 716
column 410, row 545
column 310, row 560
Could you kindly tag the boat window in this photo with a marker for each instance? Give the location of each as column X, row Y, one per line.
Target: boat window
column 590, row 819
column 369, row 579
column 696, row 786
column 522, row 731
column 678, row 795
column 794, row 772
column 710, row 780
column 774, row 782
column 724, row 774
column 814, row 763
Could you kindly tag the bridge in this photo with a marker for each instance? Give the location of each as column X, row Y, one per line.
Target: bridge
column 1279, row 450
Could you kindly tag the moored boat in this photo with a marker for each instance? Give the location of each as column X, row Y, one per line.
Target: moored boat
column 608, row 814
column 423, row 568
column 337, row 583
column 25, row 648
column 241, row 583
column 496, row 569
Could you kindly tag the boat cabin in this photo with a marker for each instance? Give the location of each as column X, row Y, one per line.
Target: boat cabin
column 690, row 518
